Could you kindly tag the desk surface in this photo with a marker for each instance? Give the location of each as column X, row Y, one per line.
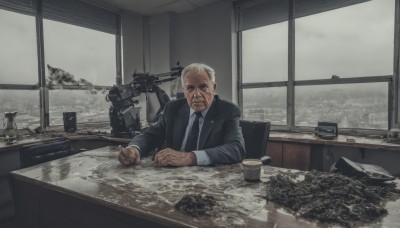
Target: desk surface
column 151, row 192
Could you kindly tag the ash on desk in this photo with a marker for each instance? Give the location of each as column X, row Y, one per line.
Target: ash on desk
column 196, row 205
column 331, row 197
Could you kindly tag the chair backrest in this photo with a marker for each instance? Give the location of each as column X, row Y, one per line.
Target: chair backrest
column 255, row 134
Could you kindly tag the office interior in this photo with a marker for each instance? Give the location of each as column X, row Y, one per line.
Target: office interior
column 305, row 67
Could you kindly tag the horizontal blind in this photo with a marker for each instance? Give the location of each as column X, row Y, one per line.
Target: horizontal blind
column 258, row 13
column 80, row 13
column 22, row 6
column 308, row 7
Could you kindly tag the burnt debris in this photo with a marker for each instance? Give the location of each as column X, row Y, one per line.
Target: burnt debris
column 330, row 197
column 59, row 76
column 195, row 205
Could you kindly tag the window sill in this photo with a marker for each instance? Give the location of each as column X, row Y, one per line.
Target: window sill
column 341, row 140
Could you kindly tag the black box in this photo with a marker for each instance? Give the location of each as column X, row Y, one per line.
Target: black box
column 326, row 130
column 69, row 119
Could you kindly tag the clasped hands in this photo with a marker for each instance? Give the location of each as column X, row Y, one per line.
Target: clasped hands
column 165, row 157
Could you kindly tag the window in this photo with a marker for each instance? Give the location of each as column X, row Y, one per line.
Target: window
column 89, row 105
column 338, row 58
column 352, row 41
column 364, row 107
column 18, row 60
column 85, row 54
column 18, row 56
column 78, row 38
column 25, row 103
column 265, row 104
column 267, row 62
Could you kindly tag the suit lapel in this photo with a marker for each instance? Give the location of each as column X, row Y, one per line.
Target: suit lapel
column 208, row 124
column 181, row 121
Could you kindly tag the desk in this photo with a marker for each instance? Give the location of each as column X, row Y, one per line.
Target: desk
column 92, row 189
column 10, row 160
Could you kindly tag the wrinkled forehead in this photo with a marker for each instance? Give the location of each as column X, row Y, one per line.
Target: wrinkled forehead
column 197, row 76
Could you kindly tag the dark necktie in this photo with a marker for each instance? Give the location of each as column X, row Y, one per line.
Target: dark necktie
column 191, row 143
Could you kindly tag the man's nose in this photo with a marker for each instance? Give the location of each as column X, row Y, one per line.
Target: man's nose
column 196, row 93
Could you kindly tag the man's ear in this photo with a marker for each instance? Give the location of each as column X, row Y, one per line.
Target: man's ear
column 215, row 87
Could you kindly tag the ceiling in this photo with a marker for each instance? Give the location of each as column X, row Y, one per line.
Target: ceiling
column 153, row 7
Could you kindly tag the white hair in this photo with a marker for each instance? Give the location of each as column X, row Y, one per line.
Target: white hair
column 197, row 67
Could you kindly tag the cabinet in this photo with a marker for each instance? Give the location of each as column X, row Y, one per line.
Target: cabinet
column 9, row 161
column 289, row 155
column 306, row 151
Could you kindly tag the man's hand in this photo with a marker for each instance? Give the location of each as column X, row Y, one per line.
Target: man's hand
column 172, row 157
column 129, row 155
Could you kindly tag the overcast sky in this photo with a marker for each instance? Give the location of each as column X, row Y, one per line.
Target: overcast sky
column 84, row 53
column 349, row 42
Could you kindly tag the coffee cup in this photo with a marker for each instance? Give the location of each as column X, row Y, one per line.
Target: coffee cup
column 251, row 169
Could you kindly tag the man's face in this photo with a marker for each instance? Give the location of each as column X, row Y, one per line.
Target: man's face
column 199, row 90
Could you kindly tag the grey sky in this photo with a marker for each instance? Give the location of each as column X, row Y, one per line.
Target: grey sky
column 349, row 42
column 84, row 53
column 18, row 56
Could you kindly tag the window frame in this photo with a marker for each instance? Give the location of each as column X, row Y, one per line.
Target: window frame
column 41, row 86
column 392, row 80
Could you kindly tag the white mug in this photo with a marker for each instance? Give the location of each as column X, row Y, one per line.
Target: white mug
column 251, row 169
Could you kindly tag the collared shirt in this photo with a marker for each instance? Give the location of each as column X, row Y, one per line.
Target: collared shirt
column 201, row 155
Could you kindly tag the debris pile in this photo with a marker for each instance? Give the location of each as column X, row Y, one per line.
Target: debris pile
column 330, row 197
column 59, row 76
column 195, row 205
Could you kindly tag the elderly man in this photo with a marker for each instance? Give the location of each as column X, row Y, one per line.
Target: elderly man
column 199, row 130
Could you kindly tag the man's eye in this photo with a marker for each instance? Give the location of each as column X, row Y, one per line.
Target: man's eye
column 203, row 87
column 189, row 88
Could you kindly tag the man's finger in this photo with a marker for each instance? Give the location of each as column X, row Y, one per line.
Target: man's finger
column 168, row 159
column 122, row 159
column 137, row 159
column 157, row 160
column 127, row 152
column 163, row 157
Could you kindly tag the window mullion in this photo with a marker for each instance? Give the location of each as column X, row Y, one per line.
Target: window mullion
column 240, row 72
column 291, row 67
column 118, row 52
column 394, row 110
column 43, row 91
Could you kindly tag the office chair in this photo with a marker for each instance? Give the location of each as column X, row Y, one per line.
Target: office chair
column 256, row 134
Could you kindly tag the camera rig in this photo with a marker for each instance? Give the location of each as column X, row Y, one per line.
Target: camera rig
column 124, row 118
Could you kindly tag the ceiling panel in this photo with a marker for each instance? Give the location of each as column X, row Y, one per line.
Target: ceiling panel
column 153, row 7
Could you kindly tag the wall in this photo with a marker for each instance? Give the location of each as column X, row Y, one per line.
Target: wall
column 205, row 35
column 159, row 32
column 154, row 44
column 132, row 45
column 133, row 51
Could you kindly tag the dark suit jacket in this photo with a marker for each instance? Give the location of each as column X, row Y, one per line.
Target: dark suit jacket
column 220, row 137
